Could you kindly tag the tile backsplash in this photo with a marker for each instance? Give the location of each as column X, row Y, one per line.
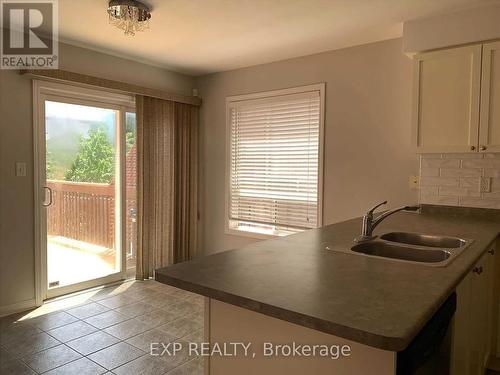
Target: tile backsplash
column 455, row 179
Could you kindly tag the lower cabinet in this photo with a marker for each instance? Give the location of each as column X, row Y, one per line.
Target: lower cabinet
column 474, row 323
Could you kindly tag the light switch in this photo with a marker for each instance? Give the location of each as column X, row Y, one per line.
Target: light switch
column 20, row 169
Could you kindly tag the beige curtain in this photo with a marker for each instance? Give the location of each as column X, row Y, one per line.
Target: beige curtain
column 167, row 169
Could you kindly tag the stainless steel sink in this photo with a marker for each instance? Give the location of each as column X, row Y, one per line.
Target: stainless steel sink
column 426, row 249
column 424, row 240
column 393, row 251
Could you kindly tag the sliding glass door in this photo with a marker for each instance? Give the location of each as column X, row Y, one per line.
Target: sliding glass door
column 87, row 181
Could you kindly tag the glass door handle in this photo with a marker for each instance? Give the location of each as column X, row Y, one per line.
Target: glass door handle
column 49, row 203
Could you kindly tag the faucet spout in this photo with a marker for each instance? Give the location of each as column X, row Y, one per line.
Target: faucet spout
column 369, row 222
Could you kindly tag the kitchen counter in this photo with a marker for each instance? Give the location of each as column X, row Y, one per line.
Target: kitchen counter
column 374, row 301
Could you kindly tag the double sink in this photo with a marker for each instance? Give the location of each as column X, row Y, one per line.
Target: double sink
column 414, row 247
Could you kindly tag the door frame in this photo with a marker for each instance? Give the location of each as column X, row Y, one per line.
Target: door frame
column 74, row 94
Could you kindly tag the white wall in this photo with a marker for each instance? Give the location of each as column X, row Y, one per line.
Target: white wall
column 368, row 155
column 17, row 284
column 467, row 26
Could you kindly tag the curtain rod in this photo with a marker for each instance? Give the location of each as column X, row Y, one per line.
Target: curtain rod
column 63, row 75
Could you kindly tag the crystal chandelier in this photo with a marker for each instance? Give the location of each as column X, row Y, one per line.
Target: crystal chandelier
column 129, row 15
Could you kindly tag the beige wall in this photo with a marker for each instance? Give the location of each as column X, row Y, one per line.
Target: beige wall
column 16, row 140
column 463, row 27
column 368, row 155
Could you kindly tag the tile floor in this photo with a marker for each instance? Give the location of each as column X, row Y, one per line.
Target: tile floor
column 106, row 331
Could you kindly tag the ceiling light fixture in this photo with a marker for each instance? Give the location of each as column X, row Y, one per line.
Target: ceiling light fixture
column 129, row 15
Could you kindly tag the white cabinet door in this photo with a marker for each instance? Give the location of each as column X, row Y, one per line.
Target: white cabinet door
column 473, row 331
column 489, row 131
column 446, row 100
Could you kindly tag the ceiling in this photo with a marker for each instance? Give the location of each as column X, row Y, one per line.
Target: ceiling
column 204, row 36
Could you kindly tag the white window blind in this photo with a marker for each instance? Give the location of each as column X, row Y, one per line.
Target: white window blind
column 274, row 163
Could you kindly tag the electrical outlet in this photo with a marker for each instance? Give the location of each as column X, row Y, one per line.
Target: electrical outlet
column 484, row 184
column 414, row 182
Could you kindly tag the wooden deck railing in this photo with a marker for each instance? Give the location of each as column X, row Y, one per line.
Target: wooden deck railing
column 86, row 212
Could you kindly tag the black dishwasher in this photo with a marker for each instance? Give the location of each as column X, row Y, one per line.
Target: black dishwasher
column 429, row 352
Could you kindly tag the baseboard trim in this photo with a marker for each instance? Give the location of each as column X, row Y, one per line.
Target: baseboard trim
column 17, row 307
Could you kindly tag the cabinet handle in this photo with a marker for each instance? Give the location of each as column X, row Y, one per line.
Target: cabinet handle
column 478, row 270
column 483, row 148
column 472, row 148
column 491, row 251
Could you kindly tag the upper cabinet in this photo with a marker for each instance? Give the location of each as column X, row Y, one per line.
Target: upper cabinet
column 489, row 124
column 446, row 102
column 456, row 103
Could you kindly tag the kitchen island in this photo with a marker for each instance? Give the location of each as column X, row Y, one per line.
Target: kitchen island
column 310, row 287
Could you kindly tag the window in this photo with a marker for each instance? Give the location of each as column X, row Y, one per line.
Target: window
column 274, row 156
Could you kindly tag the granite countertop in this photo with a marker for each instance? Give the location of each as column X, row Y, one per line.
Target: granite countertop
column 374, row 301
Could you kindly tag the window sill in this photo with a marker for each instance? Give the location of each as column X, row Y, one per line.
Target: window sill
column 243, row 233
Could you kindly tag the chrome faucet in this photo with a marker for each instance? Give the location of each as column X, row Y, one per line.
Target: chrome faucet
column 369, row 222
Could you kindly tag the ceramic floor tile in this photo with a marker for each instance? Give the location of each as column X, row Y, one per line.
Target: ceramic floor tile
column 149, row 365
column 92, row 343
column 133, row 286
column 103, row 294
column 198, row 314
column 182, row 308
column 181, row 327
column 53, row 320
column 151, row 294
column 127, row 329
column 157, row 317
column 106, row 319
column 144, row 306
column 193, row 367
column 17, row 333
column 135, row 309
column 144, row 340
column 51, row 358
column 72, row 331
column 111, row 291
column 163, row 300
column 15, row 367
column 176, row 359
column 179, row 293
column 82, row 366
column 88, row 310
column 14, row 320
column 196, row 299
column 120, row 300
column 155, row 285
column 196, row 336
column 116, row 355
column 24, row 346
column 5, row 355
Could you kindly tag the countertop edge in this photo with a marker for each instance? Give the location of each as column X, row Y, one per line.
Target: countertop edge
column 394, row 344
